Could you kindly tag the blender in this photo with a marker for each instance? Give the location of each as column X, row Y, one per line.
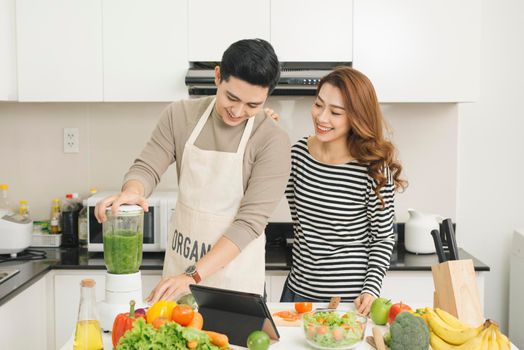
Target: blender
column 123, row 240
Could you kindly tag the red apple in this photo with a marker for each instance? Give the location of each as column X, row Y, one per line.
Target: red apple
column 395, row 309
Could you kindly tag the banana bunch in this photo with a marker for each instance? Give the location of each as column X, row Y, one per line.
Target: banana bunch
column 448, row 333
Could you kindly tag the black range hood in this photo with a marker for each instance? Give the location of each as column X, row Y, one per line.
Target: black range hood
column 296, row 78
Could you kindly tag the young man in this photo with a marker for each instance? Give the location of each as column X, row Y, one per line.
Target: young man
column 232, row 162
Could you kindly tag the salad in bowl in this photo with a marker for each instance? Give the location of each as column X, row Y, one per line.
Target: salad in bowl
column 334, row 329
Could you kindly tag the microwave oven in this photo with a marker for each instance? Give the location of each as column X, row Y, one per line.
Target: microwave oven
column 156, row 221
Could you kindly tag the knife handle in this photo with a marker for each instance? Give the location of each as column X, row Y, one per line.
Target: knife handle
column 451, row 239
column 438, row 246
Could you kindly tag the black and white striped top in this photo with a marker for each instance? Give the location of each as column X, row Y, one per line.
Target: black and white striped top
column 343, row 238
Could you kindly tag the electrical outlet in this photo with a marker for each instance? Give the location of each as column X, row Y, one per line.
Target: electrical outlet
column 71, row 140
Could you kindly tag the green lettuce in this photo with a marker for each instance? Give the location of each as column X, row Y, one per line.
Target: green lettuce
column 169, row 336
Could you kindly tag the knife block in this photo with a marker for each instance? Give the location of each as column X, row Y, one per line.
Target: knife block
column 456, row 290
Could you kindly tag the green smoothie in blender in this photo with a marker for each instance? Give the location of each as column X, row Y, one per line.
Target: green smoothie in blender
column 123, row 251
column 123, row 238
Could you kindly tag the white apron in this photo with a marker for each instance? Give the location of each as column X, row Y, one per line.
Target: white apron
column 209, row 195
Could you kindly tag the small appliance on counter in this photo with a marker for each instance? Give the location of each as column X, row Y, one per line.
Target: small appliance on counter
column 417, row 232
column 15, row 234
column 156, row 221
column 122, row 242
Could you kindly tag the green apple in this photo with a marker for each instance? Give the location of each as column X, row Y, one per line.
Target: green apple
column 379, row 310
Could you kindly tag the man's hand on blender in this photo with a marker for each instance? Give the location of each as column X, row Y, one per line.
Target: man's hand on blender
column 132, row 193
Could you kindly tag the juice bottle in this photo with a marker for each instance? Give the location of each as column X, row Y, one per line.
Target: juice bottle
column 56, row 217
column 88, row 335
column 24, row 209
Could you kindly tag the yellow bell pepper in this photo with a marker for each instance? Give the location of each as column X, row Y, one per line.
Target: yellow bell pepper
column 162, row 308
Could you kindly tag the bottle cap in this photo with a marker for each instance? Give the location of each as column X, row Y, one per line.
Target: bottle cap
column 93, row 190
column 56, row 200
column 69, row 196
column 4, row 186
column 23, row 201
column 88, row 282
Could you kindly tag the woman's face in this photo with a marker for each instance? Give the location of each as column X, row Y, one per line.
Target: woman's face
column 330, row 118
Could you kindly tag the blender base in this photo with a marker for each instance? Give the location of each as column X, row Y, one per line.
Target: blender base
column 120, row 290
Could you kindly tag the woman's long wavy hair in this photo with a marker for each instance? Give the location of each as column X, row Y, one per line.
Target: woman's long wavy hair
column 366, row 140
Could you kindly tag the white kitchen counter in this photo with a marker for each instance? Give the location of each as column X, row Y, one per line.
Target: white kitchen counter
column 291, row 338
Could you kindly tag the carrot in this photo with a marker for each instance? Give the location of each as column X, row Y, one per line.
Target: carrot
column 218, row 339
column 197, row 322
column 192, row 344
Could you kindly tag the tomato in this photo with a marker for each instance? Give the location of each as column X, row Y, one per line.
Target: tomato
column 258, row 340
column 159, row 321
column 322, row 329
column 337, row 334
column 182, row 314
column 303, row 306
column 310, row 331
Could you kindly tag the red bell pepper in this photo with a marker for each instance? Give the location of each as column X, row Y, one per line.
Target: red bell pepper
column 124, row 322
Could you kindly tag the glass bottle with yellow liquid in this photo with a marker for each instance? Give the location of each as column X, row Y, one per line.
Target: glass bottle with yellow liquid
column 88, row 335
column 56, row 217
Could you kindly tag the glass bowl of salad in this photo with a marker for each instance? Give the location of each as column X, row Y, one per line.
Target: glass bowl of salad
column 334, row 329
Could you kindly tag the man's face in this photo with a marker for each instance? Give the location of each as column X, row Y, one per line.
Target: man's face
column 237, row 99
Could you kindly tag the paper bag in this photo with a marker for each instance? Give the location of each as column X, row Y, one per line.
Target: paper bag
column 456, row 290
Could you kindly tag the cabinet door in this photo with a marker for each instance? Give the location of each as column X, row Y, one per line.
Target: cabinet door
column 8, row 84
column 312, row 31
column 145, row 50
column 214, row 25
column 419, row 51
column 67, row 299
column 67, row 296
column 59, row 50
column 23, row 319
column 275, row 280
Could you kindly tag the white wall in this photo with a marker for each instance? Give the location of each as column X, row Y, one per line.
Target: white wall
column 491, row 152
column 112, row 134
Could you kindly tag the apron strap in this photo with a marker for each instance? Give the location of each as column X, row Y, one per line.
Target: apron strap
column 246, row 135
column 201, row 123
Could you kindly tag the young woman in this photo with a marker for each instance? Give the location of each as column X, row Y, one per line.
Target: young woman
column 341, row 196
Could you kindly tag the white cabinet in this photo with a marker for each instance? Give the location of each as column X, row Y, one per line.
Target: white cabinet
column 214, row 25
column 417, row 287
column 66, row 285
column 275, row 287
column 413, row 286
column 59, row 47
column 145, row 50
column 8, row 83
column 23, row 319
column 312, row 31
column 299, row 30
column 419, row 51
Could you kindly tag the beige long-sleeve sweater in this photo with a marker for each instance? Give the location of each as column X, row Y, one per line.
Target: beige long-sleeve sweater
column 266, row 165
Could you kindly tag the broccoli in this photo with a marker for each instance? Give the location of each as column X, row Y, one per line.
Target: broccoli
column 409, row 332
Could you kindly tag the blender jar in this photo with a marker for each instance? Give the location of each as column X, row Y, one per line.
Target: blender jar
column 123, row 238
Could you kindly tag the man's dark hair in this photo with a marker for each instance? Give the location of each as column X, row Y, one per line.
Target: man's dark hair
column 251, row 60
